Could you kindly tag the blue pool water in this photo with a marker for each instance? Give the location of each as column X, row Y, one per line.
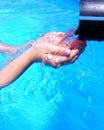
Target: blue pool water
column 44, row 98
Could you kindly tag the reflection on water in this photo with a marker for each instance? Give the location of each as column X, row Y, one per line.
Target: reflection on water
column 43, row 97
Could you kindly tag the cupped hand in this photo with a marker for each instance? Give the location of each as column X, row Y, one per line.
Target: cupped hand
column 49, row 53
column 56, row 40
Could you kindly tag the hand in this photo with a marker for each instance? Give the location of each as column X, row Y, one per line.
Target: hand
column 58, row 38
column 49, row 53
column 7, row 49
column 75, row 45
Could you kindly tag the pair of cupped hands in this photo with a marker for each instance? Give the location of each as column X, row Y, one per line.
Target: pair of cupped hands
column 55, row 49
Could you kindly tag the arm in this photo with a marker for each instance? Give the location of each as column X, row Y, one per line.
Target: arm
column 35, row 53
column 15, row 68
column 52, row 53
column 7, row 49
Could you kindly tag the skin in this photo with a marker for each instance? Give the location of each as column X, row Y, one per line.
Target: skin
column 49, row 48
column 76, row 47
column 6, row 49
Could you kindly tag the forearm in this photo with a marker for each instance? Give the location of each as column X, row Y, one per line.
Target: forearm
column 7, row 49
column 15, row 68
column 51, row 54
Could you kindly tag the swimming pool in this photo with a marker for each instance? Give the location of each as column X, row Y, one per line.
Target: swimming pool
column 44, row 98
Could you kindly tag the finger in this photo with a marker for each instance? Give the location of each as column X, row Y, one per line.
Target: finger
column 51, row 60
column 60, row 34
column 58, row 61
column 73, row 54
column 65, row 60
column 74, row 59
column 60, row 50
column 61, row 59
column 55, row 60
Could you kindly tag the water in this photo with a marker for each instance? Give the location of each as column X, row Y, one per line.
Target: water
column 68, row 98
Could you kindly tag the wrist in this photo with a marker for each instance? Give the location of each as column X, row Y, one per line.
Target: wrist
column 35, row 54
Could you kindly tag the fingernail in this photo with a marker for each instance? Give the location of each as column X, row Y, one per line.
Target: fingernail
column 57, row 59
column 67, row 51
column 49, row 56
